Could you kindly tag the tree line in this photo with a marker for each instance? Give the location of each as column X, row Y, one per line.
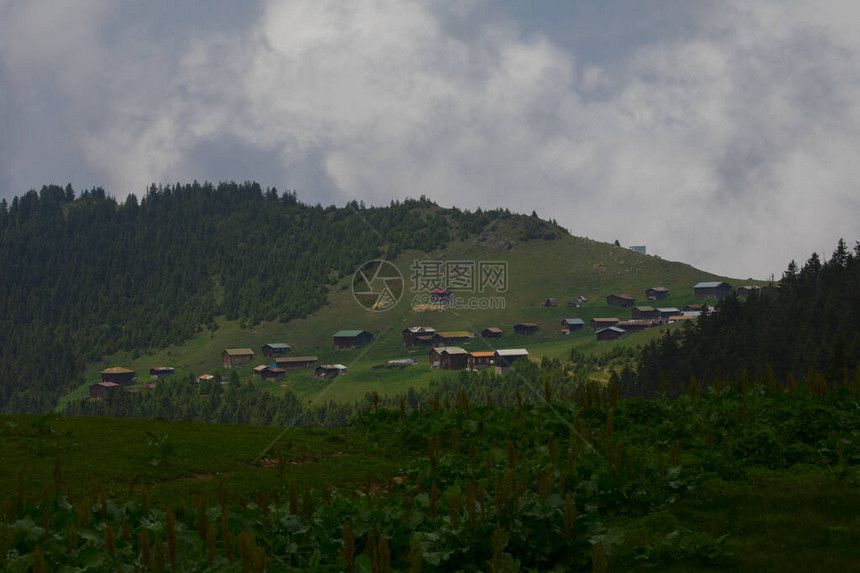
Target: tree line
column 812, row 324
column 85, row 275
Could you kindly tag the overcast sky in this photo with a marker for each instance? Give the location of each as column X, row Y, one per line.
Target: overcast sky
column 723, row 134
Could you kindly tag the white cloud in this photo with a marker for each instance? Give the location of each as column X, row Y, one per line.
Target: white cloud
column 55, row 39
column 728, row 145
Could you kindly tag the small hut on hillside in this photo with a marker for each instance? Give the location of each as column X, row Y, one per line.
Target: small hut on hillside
column 118, row 375
column 233, row 357
column 351, row 339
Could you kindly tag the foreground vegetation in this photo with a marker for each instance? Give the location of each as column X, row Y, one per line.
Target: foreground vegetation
column 745, row 478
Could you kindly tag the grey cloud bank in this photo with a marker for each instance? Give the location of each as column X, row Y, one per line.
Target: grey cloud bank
column 720, row 134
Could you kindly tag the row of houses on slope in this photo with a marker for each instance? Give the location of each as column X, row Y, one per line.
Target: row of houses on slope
column 447, row 355
column 427, row 336
column 279, row 368
column 276, row 370
column 456, row 358
column 342, row 340
column 626, row 300
column 702, row 290
column 645, row 317
column 116, row 378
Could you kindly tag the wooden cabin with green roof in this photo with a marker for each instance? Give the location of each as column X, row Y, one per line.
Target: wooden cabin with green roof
column 351, row 339
column 275, row 349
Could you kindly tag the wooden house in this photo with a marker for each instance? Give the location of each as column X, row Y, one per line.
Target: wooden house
column 330, row 370
column 237, row 356
column 712, row 289
column 296, row 362
column 572, row 324
column 418, row 336
column 656, row 293
column 479, row 360
column 452, row 338
column 271, row 373
column 448, row 358
column 205, row 378
column 611, row 333
column 622, row 300
column 118, row 375
column 550, row 302
column 665, row 312
column 505, row 358
column 351, row 339
column 160, row 372
column 102, row 390
column 695, row 308
column 275, row 349
column 641, row 312
column 601, row 323
column 525, row 328
column 631, row 326
column 747, row 290
column 491, row 332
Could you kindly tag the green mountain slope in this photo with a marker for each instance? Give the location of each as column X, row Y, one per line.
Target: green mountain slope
column 542, row 261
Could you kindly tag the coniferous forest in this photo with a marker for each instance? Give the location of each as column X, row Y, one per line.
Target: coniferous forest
column 85, row 276
column 812, row 324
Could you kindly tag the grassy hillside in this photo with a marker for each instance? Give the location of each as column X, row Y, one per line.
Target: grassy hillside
column 563, row 268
